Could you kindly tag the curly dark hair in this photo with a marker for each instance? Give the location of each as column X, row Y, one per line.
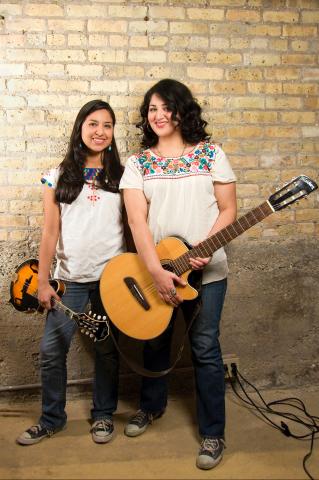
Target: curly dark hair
column 71, row 179
column 180, row 101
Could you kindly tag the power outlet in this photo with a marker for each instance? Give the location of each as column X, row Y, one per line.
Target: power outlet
column 228, row 360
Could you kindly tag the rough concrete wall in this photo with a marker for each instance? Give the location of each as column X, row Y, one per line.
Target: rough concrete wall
column 271, row 314
column 253, row 65
column 270, row 322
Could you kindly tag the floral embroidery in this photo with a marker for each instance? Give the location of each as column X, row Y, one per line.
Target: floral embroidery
column 46, row 181
column 90, row 176
column 197, row 162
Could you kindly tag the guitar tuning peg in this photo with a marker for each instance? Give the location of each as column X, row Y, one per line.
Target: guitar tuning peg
column 87, row 332
column 91, row 335
column 90, row 312
column 99, row 317
column 104, row 317
column 82, row 330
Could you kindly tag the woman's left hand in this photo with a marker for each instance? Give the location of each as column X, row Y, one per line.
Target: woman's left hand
column 199, row 263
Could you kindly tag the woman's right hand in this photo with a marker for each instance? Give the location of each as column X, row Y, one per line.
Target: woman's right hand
column 165, row 285
column 45, row 294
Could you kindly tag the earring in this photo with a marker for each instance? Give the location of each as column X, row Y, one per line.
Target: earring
column 81, row 145
column 110, row 148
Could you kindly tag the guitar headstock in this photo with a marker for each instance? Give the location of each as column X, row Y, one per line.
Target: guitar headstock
column 94, row 326
column 291, row 192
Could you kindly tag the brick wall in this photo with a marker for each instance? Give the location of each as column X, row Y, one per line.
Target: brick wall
column 252, row 64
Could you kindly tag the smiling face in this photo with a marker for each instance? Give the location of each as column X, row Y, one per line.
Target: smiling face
column 160, row 117
column 97, row 131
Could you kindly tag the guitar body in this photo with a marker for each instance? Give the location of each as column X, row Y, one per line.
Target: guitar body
column 135, row 318
column 24, row 287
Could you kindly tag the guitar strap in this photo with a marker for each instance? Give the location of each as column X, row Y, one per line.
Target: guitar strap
column 190, row 311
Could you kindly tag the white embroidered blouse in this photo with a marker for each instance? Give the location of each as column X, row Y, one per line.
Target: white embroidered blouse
column 180, row 196
column 91, row 230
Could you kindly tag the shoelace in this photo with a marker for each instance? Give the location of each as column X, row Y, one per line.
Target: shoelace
column 140, row 418
column 36, row 429
column 103, row 425
column 210, row 444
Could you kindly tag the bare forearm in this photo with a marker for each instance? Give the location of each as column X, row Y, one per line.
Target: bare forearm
column 225, row 218
column 145, row 246
column 46, row 254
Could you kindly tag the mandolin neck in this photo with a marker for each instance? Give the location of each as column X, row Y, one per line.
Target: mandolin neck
column 59, row 306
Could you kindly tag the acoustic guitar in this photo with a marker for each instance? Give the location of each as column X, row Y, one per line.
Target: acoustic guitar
column 127, row 290
column 23, row 296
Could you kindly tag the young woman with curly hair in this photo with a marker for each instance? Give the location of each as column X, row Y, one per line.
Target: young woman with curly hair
column 181, row 184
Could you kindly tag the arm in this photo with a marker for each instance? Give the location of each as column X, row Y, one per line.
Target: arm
column 130, row 246
column 49, row 238
column 225, row 194
column 136, row 207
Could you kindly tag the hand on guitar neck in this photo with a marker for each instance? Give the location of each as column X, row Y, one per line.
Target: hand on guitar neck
column 198, row 263
column 46, row 295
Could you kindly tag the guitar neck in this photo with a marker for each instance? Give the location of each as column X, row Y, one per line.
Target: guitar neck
column 207, row 247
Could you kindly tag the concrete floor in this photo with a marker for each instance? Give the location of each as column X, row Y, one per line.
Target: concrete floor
column 166, row 451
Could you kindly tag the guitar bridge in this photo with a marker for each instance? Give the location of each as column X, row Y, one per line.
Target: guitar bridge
column 136, row 291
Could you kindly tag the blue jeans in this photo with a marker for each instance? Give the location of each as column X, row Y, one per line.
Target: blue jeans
column 207, row 362
column 55, row 344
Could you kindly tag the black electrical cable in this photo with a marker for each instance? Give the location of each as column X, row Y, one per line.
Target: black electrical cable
column 284, row 428
column 236, row 378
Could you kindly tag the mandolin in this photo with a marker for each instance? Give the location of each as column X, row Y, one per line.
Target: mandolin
column 23, row 296
column 127, row 290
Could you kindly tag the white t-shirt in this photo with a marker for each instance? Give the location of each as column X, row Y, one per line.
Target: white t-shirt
column 180, row 196
column 91, row 231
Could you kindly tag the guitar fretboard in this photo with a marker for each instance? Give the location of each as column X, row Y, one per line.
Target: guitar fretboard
column 221, row 238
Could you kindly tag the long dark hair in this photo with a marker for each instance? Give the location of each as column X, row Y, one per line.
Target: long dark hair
column 71, row 179
column 185, row 111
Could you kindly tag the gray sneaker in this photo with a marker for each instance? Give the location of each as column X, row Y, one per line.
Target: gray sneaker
column 34, row 434
column 139, row 423
column 210, row 453
column 102, row 430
